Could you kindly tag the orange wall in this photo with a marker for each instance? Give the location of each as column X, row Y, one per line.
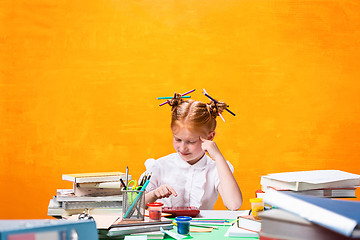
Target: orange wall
column 78, row 81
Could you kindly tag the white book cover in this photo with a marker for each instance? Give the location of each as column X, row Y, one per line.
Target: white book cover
column 93, row 177
column 305, row 180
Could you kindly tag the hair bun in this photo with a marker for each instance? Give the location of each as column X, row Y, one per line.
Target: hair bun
column 175, row 101
column 216, row 107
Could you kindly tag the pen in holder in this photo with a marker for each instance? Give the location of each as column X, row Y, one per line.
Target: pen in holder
column 133, row 204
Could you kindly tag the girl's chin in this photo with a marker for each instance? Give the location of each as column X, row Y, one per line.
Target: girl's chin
column 189, row 158
column 186, row 157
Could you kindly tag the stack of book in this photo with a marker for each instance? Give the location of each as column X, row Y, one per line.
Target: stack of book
column 150, row 229
column 44, row 229
column 320, row 183
column 297, row 216
column 95, row 191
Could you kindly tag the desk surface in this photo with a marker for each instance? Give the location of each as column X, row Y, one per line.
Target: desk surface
column 216, row 233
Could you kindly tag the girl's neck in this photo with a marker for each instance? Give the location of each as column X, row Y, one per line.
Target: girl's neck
column 192, row 162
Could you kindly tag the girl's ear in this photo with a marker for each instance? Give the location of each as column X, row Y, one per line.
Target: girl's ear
column 211, row 135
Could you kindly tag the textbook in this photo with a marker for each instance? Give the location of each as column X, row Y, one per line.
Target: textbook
column 94, row 177
column 97, row 189
column 235, row 231
column 248, row 222
column 306, row 180
column 348, row 192
column 341, row 216
column 55, row 210
column 93, row 192
column 121, row 228
column 90, row 204
column 45, row 229
column 121, row 231
column 280, row 224
column 245, row 226
column 70, row 197
column 111, row 185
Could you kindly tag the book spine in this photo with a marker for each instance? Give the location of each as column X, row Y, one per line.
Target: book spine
column 311, row 212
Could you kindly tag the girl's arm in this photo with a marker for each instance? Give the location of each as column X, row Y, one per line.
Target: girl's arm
column 228, row 187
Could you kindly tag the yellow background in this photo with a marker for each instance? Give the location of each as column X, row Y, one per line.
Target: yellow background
column 78, row 82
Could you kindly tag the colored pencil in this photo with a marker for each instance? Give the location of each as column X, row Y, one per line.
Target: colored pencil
column 188, row 92
column 205, row 93
column 174, row 96
column 171, row 97
column 127, row 177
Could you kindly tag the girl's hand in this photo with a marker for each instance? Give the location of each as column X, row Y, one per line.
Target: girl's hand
column 210, row 147
column 164, row 191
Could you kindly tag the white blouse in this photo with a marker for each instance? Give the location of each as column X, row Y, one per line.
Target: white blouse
column 196, row 185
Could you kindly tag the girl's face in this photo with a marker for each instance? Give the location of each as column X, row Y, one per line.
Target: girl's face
column 188, row 144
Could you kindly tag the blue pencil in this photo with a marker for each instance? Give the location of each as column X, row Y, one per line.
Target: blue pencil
column 217, row 102
column 172, row 97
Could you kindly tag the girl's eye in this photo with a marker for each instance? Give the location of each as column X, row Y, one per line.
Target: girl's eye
column 178, row 140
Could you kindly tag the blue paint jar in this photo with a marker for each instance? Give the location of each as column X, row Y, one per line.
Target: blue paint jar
column 183, row 224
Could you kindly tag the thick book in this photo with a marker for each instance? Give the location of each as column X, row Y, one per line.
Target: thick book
column 235, row 231
column 279, row 224
column 349, row 192
column 305, row 180
column 63, row 195
column 55, row 210
column 138, row 229
column 245, row 226
column 341, row 216
column 90, row 204
column 47, row 229
column 95, row 192
column 121, row 228
column 94, row 177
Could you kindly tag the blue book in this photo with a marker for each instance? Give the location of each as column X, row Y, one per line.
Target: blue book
column 342, row 216
column 46, row 229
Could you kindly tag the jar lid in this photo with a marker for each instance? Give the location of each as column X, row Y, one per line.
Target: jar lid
column 155, row 204
column 183, row 218
column 256, row 200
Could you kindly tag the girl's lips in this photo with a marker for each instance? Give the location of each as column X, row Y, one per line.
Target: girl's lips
column 184, row 154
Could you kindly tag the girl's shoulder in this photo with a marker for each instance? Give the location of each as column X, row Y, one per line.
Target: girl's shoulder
column 171, row 156
column 151, row 162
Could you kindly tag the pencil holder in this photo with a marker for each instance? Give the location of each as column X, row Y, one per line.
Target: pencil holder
column 133, row 205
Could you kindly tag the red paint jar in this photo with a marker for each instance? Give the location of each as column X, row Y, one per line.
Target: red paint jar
column 155, row 209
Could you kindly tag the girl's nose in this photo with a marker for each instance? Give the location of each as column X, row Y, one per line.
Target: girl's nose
column 182, row 146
